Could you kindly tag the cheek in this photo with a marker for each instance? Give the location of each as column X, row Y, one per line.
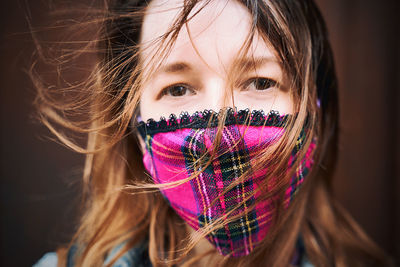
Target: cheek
column 284, row 103
column 279, row 101
column 147, row 105
column 143, row 111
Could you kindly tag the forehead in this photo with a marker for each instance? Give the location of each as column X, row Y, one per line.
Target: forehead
column 213, row 34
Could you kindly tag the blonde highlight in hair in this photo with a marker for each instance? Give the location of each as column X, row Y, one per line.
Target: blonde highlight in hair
column 121, row 205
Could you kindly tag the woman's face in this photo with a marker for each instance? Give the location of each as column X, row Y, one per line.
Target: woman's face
column 195, row 75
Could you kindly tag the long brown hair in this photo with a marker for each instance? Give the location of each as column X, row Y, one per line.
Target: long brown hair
column 120, row 205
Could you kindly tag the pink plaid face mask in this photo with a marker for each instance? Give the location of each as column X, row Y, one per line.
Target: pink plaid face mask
column 173, row 150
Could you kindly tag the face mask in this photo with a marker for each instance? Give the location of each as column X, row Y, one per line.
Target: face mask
column 173, row 150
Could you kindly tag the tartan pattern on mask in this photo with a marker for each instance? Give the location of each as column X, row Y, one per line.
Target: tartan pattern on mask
column 209, row 186
column 178, row 154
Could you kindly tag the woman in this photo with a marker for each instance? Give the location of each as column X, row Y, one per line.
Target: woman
column 242, row 177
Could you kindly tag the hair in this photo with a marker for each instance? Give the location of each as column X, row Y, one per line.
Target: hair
column 121, row 206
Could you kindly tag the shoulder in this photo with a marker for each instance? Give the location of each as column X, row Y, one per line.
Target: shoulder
column 305, row 262
column 135, row 257
column 48, row 260
column 300, row 258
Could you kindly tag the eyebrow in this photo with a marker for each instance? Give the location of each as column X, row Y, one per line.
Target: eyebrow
column 253, row 62
column 175, row 67
column 243, row 63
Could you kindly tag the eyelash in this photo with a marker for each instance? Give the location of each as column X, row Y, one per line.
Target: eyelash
column 166, row 92
column 270, row 83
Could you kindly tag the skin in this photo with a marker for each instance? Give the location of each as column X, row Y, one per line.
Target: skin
column 196, row 74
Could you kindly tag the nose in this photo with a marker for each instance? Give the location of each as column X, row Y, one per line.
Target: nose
column 217, row 95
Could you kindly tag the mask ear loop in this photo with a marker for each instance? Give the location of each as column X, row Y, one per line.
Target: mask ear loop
column 139, row 118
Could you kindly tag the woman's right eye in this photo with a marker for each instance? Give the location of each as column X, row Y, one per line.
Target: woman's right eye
column 177, row 90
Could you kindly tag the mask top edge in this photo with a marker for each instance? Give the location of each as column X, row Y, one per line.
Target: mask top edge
column 210, row 118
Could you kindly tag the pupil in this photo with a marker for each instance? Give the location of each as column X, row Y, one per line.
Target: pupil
column 178, row 91
column 262, row 84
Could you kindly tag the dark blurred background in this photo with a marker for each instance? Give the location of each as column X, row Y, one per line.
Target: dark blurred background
column 39, row 177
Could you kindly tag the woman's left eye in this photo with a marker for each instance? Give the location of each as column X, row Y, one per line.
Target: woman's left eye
column 260, row 84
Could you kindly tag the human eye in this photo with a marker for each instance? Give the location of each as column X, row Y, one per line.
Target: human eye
column 259, row 84
column 177, row 90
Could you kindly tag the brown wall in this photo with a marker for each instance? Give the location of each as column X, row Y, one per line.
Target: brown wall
column 364, row 36
column 38, row 177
